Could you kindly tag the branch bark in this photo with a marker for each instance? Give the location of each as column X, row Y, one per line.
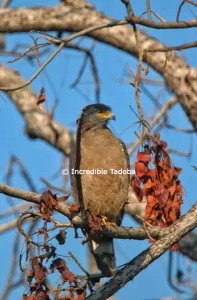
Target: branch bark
column 39, row 124
column 188, row 245
column 29, row 197
column 180, row 78
column 144, row 259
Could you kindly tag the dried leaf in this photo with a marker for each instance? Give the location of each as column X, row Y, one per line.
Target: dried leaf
column 41, row 97
column 61, row 266
column 30, row 276
column 67, row 276
column 160, row 184
column 136, row 186
column 81, row 295
column 94, row 223
column 25, row 297
column 164, row 144
column 140, row 169
column 74, row 208
column 44, row 231
column 143, row 157
column 51, row 251
column 39, row 270
column 48, row 203
column 61, row 237
column 63, row 198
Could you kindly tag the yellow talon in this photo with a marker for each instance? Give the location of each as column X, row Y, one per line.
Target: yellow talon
column 106, row 223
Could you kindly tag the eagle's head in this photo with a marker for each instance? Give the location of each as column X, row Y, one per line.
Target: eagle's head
column 95, row 116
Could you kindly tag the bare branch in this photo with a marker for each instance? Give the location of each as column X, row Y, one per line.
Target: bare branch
column 160, row 114
column 15, row 160
column 8, row 226
column 180, row 78
column 181, row 5
column 179, row 47
column 181, row 153
column 162, row 25
column 148, row 9
column 5, row 3
column 13, row 267
column 29, row 197
column 17, row 208
column 61, row 46
column 93, row 68
column 53, row 187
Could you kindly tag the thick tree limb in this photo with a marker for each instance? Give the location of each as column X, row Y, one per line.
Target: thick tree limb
column 144, row 259
column 180, row 78
column 39, row 124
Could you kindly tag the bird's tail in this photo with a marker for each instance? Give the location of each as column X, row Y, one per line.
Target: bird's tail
column 104, row 254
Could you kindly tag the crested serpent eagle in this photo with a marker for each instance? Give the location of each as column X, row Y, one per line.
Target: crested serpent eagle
column 96, row 149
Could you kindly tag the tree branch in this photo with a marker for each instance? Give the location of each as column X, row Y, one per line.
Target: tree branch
column 162, row 25
column 180, row 78
column 187, row 245
column 144, row 259
column 30, row 197
column 39, row 124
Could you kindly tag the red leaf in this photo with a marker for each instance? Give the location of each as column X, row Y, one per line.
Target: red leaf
column 175, row 247
column 68, row 276
column 41, row 295
column 136, row 186
column 39, row 270
column 25, row 297
column 143, row 157
column 63, row 198
column 41, row 97
column 48, row 203
column 81, row 295
column 160, row 184
column 164, row 144
column 177, row 171
column 74, row 208
column 94, row 223
column 44, row 231
column 140, row 169
column 61, row 237
column 61, row 266
column 30, row 276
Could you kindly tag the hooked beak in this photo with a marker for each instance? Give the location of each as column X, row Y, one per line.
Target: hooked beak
column 113, row 117
column 107, row 115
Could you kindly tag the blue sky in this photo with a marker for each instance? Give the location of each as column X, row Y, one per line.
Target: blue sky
column 43, row 161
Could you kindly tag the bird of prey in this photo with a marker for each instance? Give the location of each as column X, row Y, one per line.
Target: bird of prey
column 97, row 148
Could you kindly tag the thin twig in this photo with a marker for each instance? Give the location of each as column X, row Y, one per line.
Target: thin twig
column 162, row 25
column 78, row 263
column 180, row 153
column 61, row 46
column 53, row 187
column 160, row 114
column 178, row 48
column 148, row 9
